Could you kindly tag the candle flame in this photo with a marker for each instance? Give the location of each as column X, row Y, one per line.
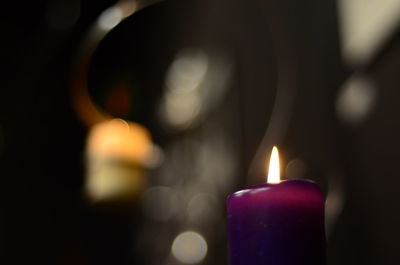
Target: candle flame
column 273, row 171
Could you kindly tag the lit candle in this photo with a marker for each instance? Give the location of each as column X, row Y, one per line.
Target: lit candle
column 277, row 223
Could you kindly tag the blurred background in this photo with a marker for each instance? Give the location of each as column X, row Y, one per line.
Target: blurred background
column 125, row 125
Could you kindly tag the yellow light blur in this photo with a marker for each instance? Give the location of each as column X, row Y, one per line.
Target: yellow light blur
column 120, row 139
column 117, row 154
column 273, row 171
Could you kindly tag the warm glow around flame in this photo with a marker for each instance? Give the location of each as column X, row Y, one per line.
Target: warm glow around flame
column 273, row 171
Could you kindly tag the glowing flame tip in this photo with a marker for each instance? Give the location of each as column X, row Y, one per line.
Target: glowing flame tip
column 273, row 171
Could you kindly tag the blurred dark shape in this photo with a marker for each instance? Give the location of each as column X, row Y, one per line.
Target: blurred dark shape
column 63, row 14
column 87, row 110
column 119, row 101
column 159, row 203
column 117, row 151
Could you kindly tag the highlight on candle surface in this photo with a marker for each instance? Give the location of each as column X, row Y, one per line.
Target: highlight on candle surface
column 273, row 171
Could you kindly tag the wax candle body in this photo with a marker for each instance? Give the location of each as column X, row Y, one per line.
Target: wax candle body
column 277, row 224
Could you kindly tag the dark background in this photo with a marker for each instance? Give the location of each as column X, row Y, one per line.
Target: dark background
column 271, row 44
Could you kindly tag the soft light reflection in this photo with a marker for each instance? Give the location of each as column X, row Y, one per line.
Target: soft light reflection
column 181, row 109
column 183, row 98
column 296, row 169
column 157, row 157
column 273, row 171
column 187, row 71
column 157, row 203
column 335, row 200
column 195, row 83
column 365, row 26
column 189, row 247
column 356, row 100
column 259, row 190
column 203, row 204
column 110, row 18
column 241, row 192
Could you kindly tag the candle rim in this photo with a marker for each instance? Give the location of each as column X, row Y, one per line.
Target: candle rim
column 271, row 185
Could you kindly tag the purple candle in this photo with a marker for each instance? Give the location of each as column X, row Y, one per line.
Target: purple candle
column 278, row 223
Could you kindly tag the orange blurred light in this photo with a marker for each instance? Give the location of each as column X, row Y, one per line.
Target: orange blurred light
column 120, row 139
